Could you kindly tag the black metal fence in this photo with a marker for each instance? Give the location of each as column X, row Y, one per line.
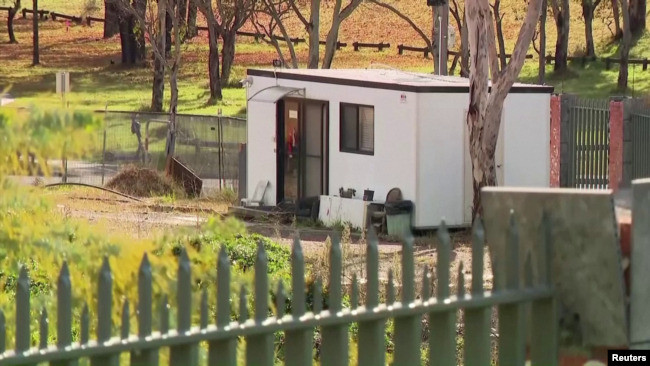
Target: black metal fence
column 640, row 139
column 210, row 146
column 585, row 132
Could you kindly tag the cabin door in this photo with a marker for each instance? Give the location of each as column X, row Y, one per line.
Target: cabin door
column 302, row 149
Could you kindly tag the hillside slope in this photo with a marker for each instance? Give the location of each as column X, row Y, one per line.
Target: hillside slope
column 99, row 80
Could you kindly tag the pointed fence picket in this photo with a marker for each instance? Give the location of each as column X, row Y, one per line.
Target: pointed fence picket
column 511, row 297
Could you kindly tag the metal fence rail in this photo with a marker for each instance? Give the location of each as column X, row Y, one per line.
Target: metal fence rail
column 587, row 136
column 640, row 134
column 511, row 296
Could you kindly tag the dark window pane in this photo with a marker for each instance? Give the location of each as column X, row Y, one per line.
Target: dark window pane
column 367, row 129
column 349, row 127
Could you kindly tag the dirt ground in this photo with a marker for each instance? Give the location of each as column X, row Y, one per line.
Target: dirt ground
column 151, row 217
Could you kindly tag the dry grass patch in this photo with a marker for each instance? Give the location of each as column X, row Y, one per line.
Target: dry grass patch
column 143, row 182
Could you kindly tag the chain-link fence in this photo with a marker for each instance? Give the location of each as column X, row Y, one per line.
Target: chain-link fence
column 210, row 146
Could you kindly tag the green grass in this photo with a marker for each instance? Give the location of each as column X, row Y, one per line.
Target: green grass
column 98, row 84
column 593, row 80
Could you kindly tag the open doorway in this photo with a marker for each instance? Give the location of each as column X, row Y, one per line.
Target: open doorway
column 302, row 149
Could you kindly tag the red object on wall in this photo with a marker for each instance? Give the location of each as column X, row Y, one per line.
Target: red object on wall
column 615, row 144
column 556, row 115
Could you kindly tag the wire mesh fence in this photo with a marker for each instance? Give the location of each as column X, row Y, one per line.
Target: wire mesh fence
column 210, row 146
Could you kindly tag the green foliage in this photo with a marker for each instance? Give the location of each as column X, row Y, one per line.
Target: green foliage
column 36, row 234
column 29, row 139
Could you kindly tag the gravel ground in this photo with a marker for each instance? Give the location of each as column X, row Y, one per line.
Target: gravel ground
column 152, row 217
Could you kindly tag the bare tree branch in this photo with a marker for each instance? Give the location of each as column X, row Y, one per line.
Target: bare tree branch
column 456, row 14
column 498, row 19
column 347, row 11
column 535, row 36
column 492, row 53
column 268, row 8
column 512, row 70
column 556, row 8
column 296, row 10
column 407, row 19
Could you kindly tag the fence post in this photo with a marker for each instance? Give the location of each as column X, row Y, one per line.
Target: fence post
column 219, row 149
column 628, row 150
column 615, row 143
column 556, row 118
column 187, row 354
column 242, row 172
column 104, row 157
column 259, row 348
column 23, row 322
column 565, row 152
column 104, row 315
column 639, row 290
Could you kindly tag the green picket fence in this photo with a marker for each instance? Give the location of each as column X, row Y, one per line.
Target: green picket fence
column 526, row 311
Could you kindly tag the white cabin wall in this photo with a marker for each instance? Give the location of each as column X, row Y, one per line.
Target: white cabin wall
column 440, row 159
column 527, row 134
column 260, row 147
column 443, row 173
column 419, row 145
column 392, row 165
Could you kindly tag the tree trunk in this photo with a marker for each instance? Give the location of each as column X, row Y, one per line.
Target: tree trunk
column 227, row 55
column 140, row 45
column 168, row 34
column 173, row 104
column 35, row 52
column 588, row 14
column 173, row 86
column 330, row 43
column 182, row 10
column 314, row 35
column 134, row 49
column 158, row 85
column 125, row 43
column 562, row 43
column 10, row 21
column 213, row 64
column 542, row 44
column 498, row 20
column 160, row 60
column 464, row 50
column 435, row 38
column 484, row 174
column 484, row 111
column 111, row 18
column 192, row 30
column 287, row 39
column 444, row 46
column 625, row 46
column 637, row 9
column 618, row 32
column 338, row 16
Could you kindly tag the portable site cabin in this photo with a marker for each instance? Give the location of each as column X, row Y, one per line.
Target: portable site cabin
column 312, row 132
